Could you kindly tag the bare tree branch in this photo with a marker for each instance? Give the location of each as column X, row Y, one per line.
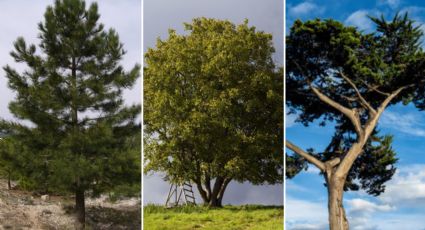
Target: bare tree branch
column 310, row 158
column 374, row 88
column 356, row 148
column 361, row 98
column 350, row 113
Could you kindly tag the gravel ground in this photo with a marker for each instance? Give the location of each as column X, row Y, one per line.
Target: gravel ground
column 21, row 210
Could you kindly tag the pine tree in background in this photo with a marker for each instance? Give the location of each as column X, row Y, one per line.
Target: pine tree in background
column 81, row 138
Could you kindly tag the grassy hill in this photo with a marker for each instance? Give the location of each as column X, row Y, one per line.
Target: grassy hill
column 246, row 217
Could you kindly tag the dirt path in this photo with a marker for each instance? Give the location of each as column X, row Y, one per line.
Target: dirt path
column 21, row 210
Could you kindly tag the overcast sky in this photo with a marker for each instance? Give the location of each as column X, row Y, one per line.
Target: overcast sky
column 20, row 18
column 265, row 15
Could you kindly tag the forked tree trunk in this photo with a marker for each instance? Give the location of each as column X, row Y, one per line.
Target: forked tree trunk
column 213, row 197
column 80, row 209
column 337, row 169
column 214, row 202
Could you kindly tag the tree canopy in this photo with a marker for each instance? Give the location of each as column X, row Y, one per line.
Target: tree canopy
column 213, row 107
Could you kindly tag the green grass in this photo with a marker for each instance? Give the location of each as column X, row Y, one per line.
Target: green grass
column 246, row 217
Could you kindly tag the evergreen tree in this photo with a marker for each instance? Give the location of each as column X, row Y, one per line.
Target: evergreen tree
column 81, row 137
column 213, row 107
column 338, row 74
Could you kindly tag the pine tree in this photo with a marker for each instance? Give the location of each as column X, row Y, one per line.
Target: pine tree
column 81, row 138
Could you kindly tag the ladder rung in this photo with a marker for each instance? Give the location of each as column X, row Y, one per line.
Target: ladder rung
column 187, row 190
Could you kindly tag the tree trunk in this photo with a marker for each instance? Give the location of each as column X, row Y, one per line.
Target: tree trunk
column 223, row 188
column 8, row 181
column 337, row 217
column 213, row 197
column 80, row 209
column 214, row 202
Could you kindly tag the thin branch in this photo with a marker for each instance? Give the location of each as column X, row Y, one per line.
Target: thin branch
column 310, row 158
column 371, row 123
column 387, row 100
column 375, row 88
column 351, row 114
column 362, row 99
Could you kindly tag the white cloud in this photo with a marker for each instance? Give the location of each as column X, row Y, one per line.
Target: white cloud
column 407, row 188
column 309, row 227
column 360, row 212
column 304, row 214
column 367, row 206
column 405, row 123
column 405, row 191
column 360, row 20
column 290, row 120
column 305, row 8
column 313, row 169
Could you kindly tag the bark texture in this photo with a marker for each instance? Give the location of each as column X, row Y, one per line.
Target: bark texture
column 212, row 197
column 80, row 209
column 337, row 169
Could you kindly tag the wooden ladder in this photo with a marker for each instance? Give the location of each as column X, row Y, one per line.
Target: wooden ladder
column 176, row 191
column 189, row 196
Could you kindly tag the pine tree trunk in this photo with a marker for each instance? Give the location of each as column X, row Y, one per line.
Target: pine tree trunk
column 337, row 217
column 80, row 209
column 8, row 181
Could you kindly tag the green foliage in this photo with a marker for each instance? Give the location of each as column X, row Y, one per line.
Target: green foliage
column 386, row 60
column 319, row 53
column 213, row 104
column 77, row 133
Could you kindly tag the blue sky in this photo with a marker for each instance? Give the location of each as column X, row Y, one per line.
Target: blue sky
column 402, row 206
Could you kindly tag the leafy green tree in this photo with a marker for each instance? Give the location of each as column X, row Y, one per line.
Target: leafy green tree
column 338, row 74
column 213, row 107
column 80, row 136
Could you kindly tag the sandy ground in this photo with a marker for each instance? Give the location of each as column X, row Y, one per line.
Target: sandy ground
column 22, row 210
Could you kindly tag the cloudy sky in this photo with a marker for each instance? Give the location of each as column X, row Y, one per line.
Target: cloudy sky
column 20, row 18
column 266, row 15
column 402, row 206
